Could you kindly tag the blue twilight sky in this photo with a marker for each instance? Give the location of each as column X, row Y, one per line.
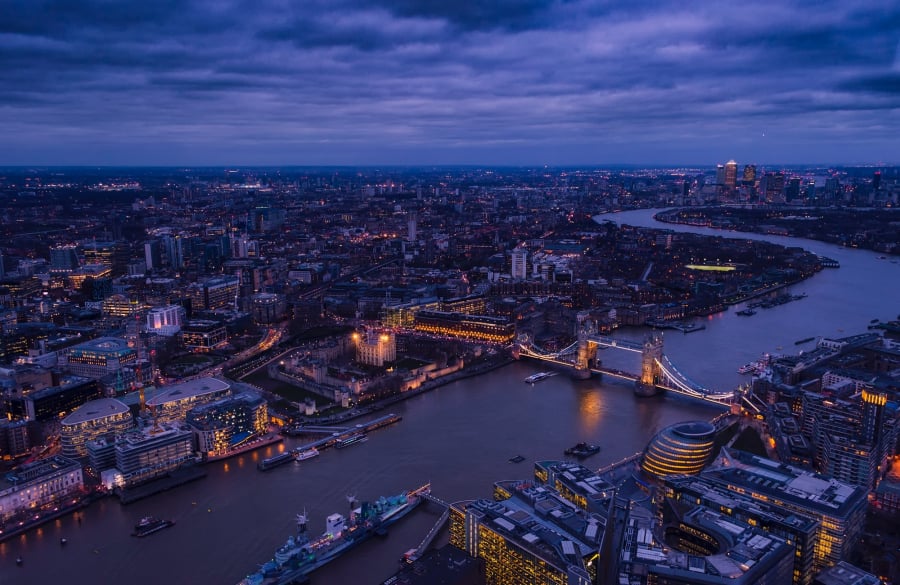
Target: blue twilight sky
column 356, row 82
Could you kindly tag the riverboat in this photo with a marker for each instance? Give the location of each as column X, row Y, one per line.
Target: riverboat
column 149, row 525
column 746, row 313
column 306, row 454
column 538, row 377
column 351, row 440
column 582, row 450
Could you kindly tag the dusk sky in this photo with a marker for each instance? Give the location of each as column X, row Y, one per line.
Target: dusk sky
column 520, row 82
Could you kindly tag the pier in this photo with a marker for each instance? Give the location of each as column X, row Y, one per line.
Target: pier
column 335, row 434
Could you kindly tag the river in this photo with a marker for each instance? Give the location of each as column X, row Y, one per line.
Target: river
column 459, row 437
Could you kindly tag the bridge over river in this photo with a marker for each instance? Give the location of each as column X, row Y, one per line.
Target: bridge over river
column 657, row 372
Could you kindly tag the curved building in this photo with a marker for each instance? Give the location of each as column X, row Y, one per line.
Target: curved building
column 683, row 448
column 90, row 421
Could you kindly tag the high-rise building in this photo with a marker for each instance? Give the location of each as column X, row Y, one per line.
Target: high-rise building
column 411, row 227
column 876, row 180
column 731, row 175
column 792, row 191
column 749, row 176
column 720, row 174
column 774, row 187
column 173, row 247
column 519, row 264
column 153, row 254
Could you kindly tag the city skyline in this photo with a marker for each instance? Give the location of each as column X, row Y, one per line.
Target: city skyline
column 427, row 83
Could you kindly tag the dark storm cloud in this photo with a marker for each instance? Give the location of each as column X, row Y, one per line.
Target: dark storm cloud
column 319, row 81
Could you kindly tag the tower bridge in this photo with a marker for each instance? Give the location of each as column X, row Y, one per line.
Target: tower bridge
column 657, row 372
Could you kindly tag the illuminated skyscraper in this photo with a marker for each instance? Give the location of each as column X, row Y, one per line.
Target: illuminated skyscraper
column 749, row 177
column 731, row 174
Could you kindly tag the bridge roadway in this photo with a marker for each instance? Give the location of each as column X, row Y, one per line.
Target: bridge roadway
column 415, row 554
column 670, row 378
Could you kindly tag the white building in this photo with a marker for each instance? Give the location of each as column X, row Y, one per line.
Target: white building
column 165, row 320
column 35, row 486
column 519, row 268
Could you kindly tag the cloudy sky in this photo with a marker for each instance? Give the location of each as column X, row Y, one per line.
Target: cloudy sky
column 190, row 82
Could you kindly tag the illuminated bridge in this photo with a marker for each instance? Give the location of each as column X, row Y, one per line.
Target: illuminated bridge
column 657, row 371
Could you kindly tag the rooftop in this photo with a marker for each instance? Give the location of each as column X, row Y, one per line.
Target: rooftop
column 188, row 389
column 95, row 409
column 800, row 487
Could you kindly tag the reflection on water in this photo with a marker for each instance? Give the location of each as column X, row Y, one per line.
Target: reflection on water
column 590, row 408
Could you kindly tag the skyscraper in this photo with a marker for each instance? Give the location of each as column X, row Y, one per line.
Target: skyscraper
column 720, row 174
column 519, row 268
column 749, row 175
column 730, row 175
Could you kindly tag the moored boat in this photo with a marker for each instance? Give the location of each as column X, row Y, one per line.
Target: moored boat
column 351, row 440
column 302, row 554
column 306, row 454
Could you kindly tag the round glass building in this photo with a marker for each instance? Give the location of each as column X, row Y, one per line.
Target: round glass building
column 681, row 449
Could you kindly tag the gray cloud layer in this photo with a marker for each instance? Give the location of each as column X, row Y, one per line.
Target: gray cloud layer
column 431, row 81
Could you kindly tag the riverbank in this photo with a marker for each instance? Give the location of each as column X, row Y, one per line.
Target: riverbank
column 172, row 480
column 427, row 386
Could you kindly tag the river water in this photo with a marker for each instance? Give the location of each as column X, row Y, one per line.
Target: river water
column 459, row 437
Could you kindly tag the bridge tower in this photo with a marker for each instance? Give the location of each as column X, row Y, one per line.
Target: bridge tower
column 587, row 351
column 651, row 372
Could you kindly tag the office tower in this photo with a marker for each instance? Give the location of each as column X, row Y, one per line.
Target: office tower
column 519, row 266
column 774, row 186
column 792, row 191
column 153, row 254
column 749, row 177
column 173, row 246
column 411, row 227
column 876, row 181
column 720, row 174
column 731, row 175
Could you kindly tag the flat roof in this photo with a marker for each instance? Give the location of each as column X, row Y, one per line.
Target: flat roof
column 100, row 408
column 188, row 389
